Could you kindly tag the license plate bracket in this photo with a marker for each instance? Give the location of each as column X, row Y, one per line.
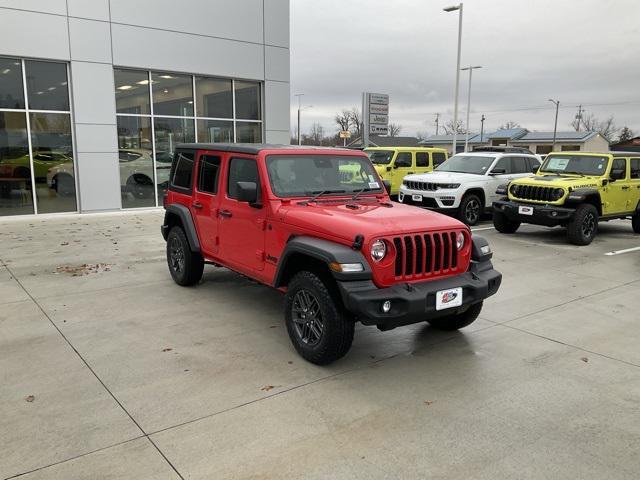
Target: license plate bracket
column 522, row 210
column 449, row 298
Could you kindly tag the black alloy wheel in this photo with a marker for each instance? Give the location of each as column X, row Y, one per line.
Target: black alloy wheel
column 307, row 317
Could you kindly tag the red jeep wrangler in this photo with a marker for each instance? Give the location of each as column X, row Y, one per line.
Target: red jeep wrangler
column 317, row 224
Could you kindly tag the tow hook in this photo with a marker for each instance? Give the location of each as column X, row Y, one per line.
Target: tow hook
column 409, row 287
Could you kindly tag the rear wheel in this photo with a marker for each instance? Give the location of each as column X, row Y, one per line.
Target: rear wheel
column 470, row 209
column 502, row 223
column 635, row 222
column 185, row 266
column 582, row 228
column 319, row 328
column 457, row 321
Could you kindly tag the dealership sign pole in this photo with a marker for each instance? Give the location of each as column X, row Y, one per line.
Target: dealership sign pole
column 375, row 115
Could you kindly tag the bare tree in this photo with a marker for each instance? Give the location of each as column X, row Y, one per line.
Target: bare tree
column 606, row 127
column 458, row 127
column 394, row 129
column 422, row 135
column 356, row 121
column 509, row 125
column 343, row 119
column 625, row 134
column 316, row 136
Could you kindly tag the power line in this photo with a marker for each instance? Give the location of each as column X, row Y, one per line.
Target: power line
column 562, row 107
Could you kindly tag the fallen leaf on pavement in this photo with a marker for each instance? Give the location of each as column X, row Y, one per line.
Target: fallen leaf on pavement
column 584, row 359
column 167, row 349
column 30, row 398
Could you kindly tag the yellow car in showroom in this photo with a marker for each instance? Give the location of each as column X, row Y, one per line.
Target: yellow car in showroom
column 395, row 163
column 575, row 190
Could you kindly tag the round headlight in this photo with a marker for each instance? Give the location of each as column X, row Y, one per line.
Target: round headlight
column 460, row 240
column 378, row 250
column 559, row 192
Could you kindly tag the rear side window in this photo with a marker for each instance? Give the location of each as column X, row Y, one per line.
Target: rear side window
column 241, row 170
column 620, row 164
column 438, row 158
column 635, row 168
column 403, row 159
column 208, row 174
column 503, row 164
column 533, row 163
column 519, row 165
column 182, row 172
column 422, row 159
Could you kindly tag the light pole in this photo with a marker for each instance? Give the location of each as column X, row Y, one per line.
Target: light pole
column 299, row 95
column 455, row 102
column 466, row 135
column 482, row 126
column 555, row 126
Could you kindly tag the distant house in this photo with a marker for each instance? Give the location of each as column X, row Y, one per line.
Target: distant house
column 384, row 141
column 631, row 145
column 538, row 142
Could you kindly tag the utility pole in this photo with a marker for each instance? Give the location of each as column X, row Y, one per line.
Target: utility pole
column 299, row 95
column 482, row 126
column 555, row 127
column 437, row 124
column 579, row 117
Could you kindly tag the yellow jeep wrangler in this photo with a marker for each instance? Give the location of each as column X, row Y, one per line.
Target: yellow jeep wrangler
column 575, row 190
column 395, row 163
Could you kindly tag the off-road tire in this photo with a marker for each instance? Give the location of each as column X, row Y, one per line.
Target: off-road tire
column 635, row 223
column 582, row 228
column 185, row 266
column 470, row 210
column 457, row 321
column 502, row 223
column 337, row 326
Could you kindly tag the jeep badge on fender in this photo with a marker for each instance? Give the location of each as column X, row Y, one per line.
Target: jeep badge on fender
column 318, row 225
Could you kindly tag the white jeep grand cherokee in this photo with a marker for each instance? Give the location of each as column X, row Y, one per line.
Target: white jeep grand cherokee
column 466, row 183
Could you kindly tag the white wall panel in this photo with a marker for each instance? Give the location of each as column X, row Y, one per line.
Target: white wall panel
column 94, row 9
column 234, row 19
column 277, row 63
column 99, row 176
column 278, row 137
column 93, row 93
column 96, row 138
column 23, row 34
column 58, row 7
column 162, row 50
column 276, row 97
column 276, row 22
column 90, row 40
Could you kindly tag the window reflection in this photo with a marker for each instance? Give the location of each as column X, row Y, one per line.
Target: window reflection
column 11, row 90
column 248, row 100
column 247, row 132
column 215, row 131
column 132, row 91
column 172, row 94
column 169, row 133
column 15, row 170
column 214, row 98
column 47, row 85
column 135, row 161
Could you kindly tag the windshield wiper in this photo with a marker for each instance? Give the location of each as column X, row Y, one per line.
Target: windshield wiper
column 318, row 193
column 575, row 173
column 360, row 192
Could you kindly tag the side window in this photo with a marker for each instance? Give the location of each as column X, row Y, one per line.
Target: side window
column 533, row 163
column 503, row 164
column 422, row 159
column 182, row 173
column 208, row 174
column 635, row 168
column 403, row 159
column 620, row 164
column 519, row 165
column 241, row 170
column 438, row 158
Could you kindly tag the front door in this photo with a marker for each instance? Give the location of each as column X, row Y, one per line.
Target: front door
column 403, row 165
column 241, row 226
column 617, row 191
column 205, row 201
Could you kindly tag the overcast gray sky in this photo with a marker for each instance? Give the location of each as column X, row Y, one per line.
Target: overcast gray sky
column 575, row 51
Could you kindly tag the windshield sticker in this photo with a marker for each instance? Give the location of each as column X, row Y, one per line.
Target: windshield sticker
column 371, row 179
column 558, row 163
column 374, row 185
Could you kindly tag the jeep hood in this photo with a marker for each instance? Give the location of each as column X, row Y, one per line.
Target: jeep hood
column 446, row 177
column 369, row 219
column 564, row 181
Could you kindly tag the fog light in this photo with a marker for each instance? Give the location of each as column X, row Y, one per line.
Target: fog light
column 485, row 249
column 386, row 306
column 554, row 214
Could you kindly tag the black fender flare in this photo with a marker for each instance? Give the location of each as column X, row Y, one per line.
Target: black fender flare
column 325, row 251
column 186, row 220
column 582, row 195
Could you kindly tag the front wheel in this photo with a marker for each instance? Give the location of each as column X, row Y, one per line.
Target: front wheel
column 185, row 266
column 635, row 223
column 502, row 223
column 318, row 327
column 470, row 209
column 457, row 321
column 582, row 228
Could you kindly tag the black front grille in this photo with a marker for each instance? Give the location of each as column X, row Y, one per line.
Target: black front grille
column 425, row 254
column 425, row 186
column 534, row 192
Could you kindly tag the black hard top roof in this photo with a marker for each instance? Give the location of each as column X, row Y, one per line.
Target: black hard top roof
column 250, row 148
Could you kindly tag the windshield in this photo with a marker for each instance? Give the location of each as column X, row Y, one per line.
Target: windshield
column 467, row 164
column 305, row 175
column 576, row 164
column 380, row 157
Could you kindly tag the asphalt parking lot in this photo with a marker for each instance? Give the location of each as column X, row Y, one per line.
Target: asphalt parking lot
column 110, row 370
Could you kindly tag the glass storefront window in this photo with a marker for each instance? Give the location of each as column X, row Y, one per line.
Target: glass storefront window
column 169, row 132
column 248, row 132
column 136, row 162
column 16, row 197
column 172, row 94
column 132, row 91
column 215, row 131
column 47, row 87
column 11, row 88
column 53, row 162
column 248, row 101
column 214, row 98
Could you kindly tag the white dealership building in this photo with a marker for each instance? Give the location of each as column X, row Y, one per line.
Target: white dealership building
column 95, row 94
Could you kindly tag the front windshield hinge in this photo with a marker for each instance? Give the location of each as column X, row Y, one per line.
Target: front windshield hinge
column 358, row 242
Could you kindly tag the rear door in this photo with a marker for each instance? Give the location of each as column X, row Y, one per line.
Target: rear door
column 241, row 226
column 403, row 165
column 617, row 192
column 423, row 162
column 206, row 200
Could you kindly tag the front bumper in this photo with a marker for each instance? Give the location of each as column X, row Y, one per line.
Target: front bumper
column 546, row 215
column 416, row 302
column 440, row 202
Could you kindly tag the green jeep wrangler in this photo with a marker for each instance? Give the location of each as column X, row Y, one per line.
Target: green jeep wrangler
column 575, row 190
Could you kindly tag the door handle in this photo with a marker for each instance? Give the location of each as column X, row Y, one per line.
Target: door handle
column 625, row 188
column 409, row 173
column 197, row 205
column 225, row 213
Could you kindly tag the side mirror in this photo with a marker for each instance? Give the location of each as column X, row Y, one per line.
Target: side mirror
column 247, row 192
column 387, row 186
column 617, row 174
column 498, row 171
